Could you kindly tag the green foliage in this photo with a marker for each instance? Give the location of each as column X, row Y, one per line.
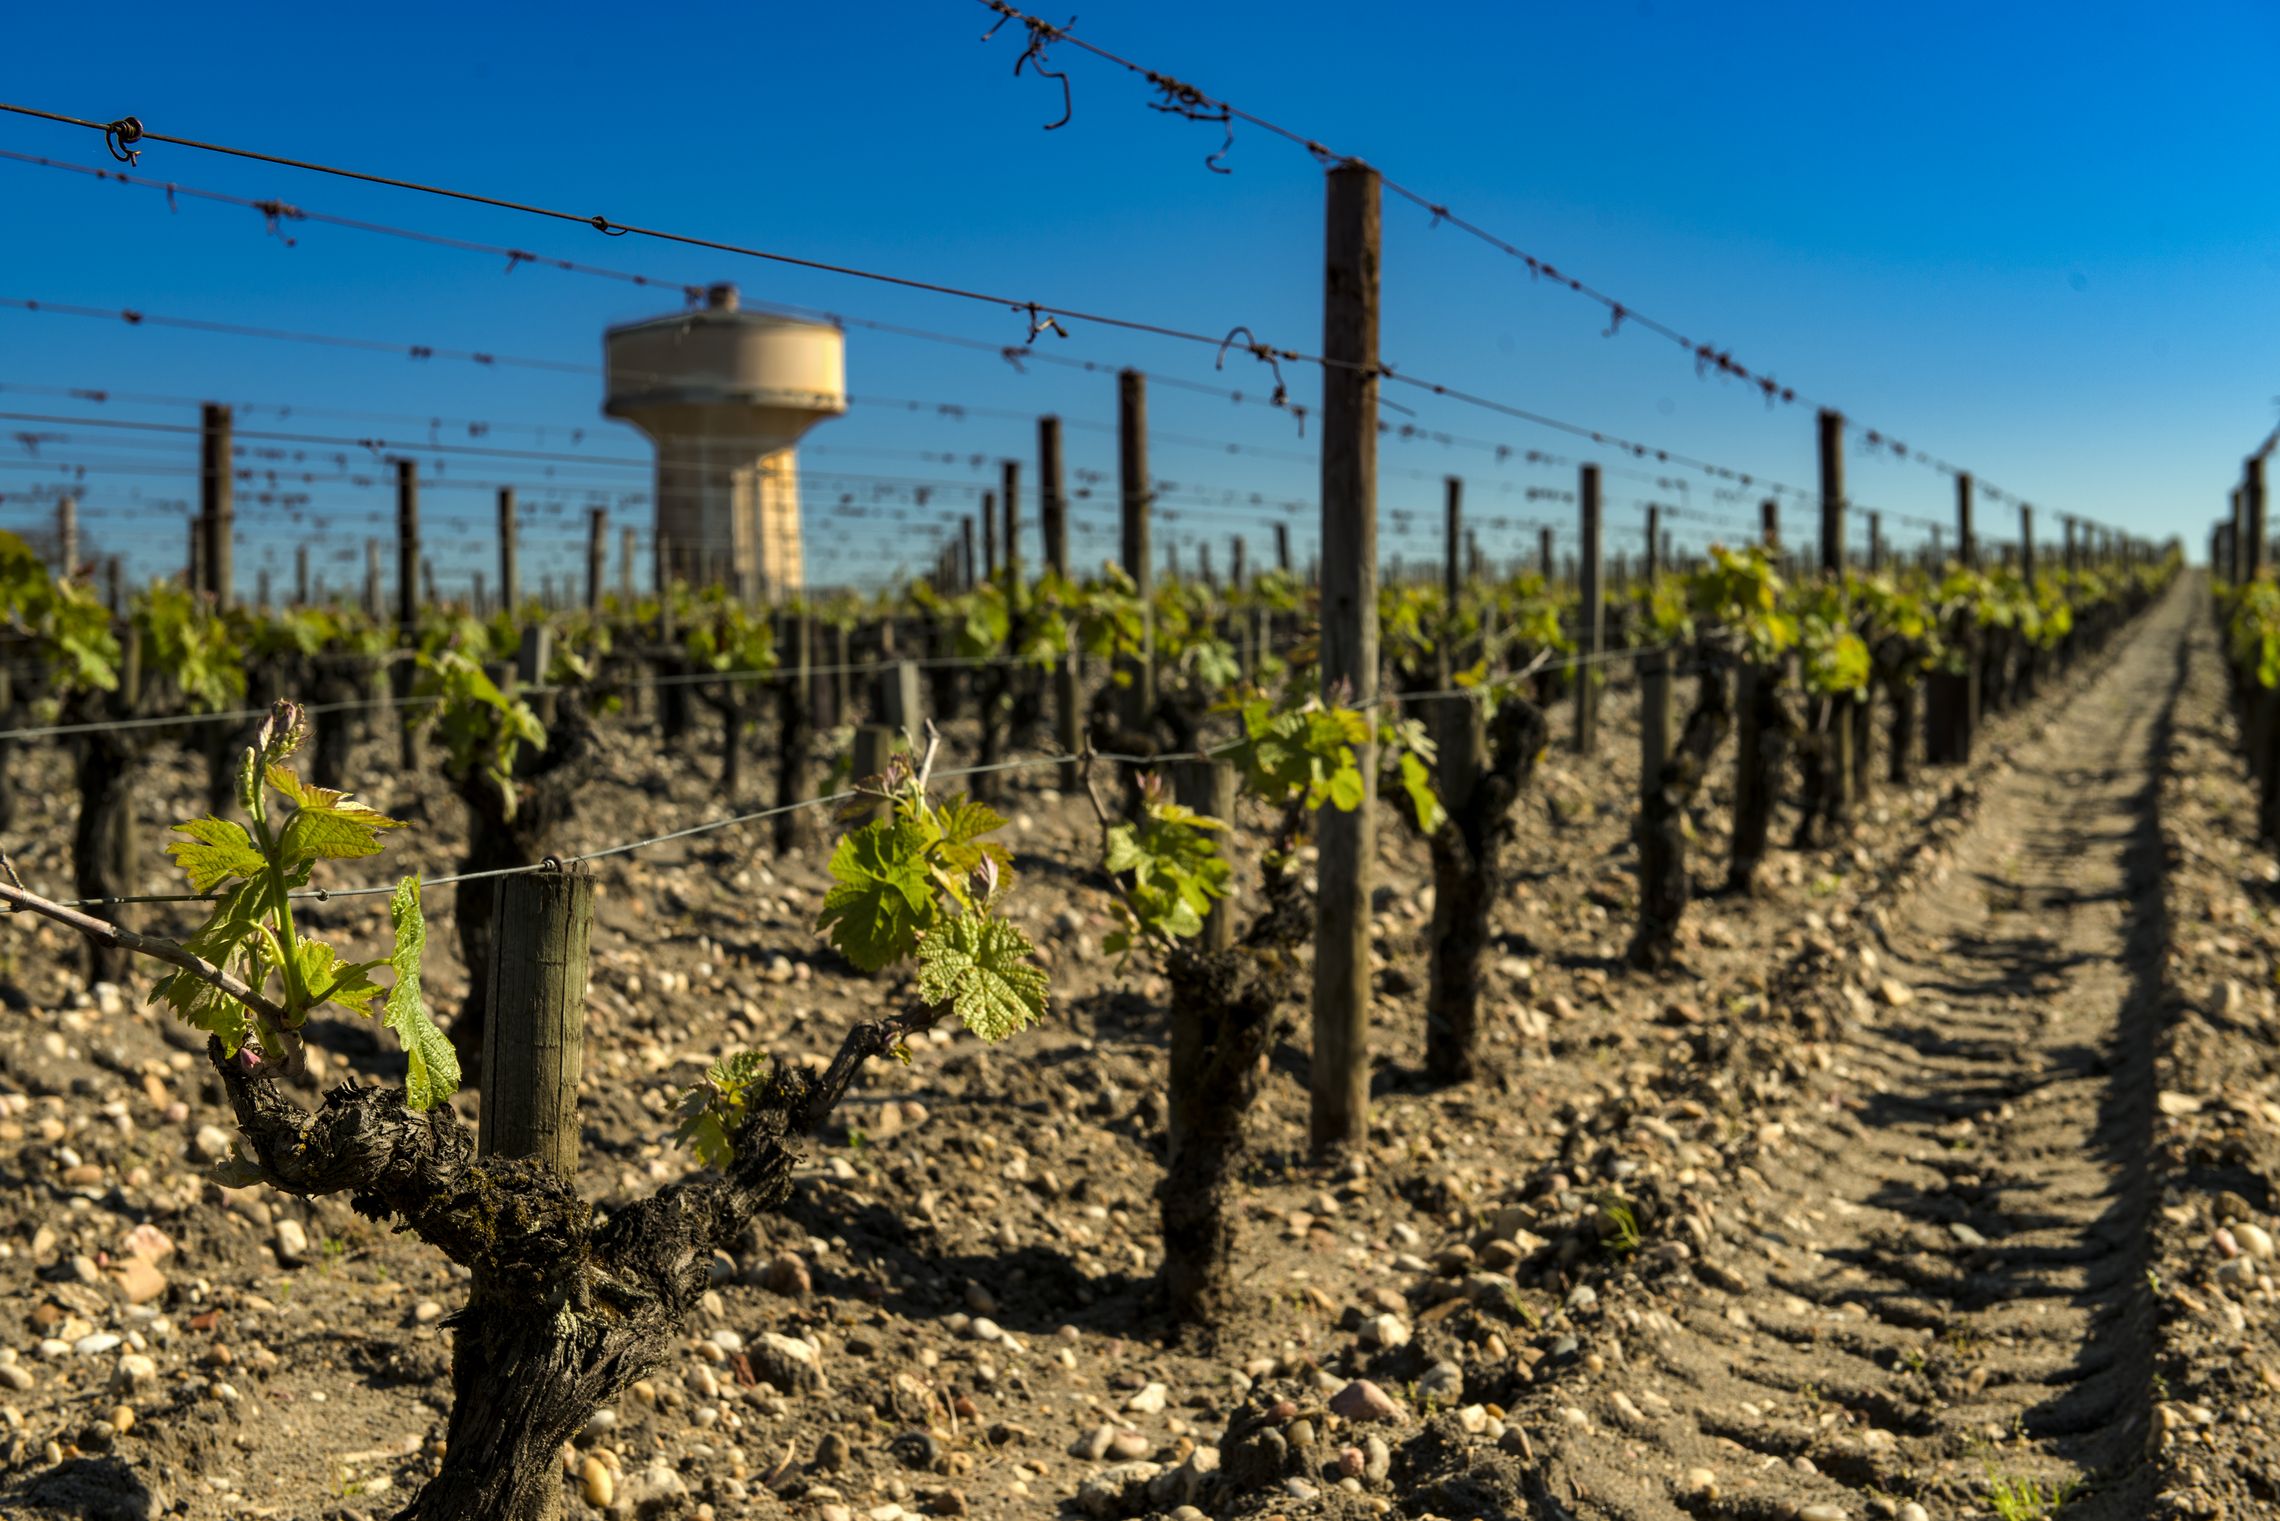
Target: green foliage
column 68, row 626
column 481, row 728
column 250, row 931
column 721, row 634
column 187, row 643
column 985, row 970
column 1171, row 869
column 921, row 883
column 713, row 1109
column 1303, row 750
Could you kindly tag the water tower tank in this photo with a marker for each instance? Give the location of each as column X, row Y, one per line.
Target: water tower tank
column 724, row 394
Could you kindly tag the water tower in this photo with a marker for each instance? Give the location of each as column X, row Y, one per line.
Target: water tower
column 724, row 394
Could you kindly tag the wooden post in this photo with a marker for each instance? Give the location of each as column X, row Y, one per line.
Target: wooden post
column 2252, row 501
column 1769, row 522
column 194, row 568
column 1053, row 518
column 1966, row 542
column 479, row 595
column 2027, row 544
column 216, row 502
column 628, row 540
column 1010, row 474
column 989, row 536
column 115, row 582
column 966, row 546
column 2073, row 559
column 1544, row 561
column 407, row 601
column 874, row 746
column 1832, row 441
column 300, row 575
column 1875, row 543
column 534, row 1030
column 534, row 652
column 1452, row 540
column 1238, row 561
column 899, row 706
column 1282, row 547
column 597, row 558
column 67, row 538
column 1339, row 1080
column 1133, row 498
column 1208, row 787
column 261, row 589
column 510, row 584
column 1590, row 617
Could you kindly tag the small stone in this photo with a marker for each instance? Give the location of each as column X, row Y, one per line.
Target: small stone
column 982, row 1328
column 1149, row 1401
column 122, row 1418
column 1384, row 1332
column 1093, row 1445
column 1822, row 1511
column 139, row 1280
column 787, row 1275
column 1895, row 994
column 1377, row 1459
column 211, row 1143
column 96, row 1343
column 1103, row 1494
column 1362, row 1400
column 2254, row 1239
column 980, row 1300
column 1911, row 1511
column 792, row 1365
column 290, row 1242
column 427, row 1312
column 1700, row 1483
column 1127, row 1445
column 595, row 1483
column 134, row 1370
column 831, row 1453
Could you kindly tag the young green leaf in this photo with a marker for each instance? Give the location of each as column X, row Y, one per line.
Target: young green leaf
column 217, row 851
column 983, row 969
column 884, row 898
column 432, row 1073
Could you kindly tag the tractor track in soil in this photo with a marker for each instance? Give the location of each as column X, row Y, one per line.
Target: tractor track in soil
column 1943, row 1269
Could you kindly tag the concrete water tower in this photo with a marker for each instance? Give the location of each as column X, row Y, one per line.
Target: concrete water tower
column 724, row 394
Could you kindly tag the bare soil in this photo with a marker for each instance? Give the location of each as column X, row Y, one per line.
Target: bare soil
column 1878, row 1200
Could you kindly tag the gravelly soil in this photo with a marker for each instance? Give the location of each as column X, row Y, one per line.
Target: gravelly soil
column 1945, row 1021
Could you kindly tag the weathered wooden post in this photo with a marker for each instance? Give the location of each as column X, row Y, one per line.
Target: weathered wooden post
column 874, row 747
column 372, row 603
column 115, row 585
column 534, row 653
column 300, row 575
column 1656, row 832
column 1546, row 566
column 1832, row 450
column 597, row 558
column 217, row 502
column 194, row 568
column 989, row 536
column 628, row 541
column 67, row 538
column 1876, row 543
column 795, row 726
column 407, row 604
column 1769, row 523
column 1009, row 476
column 1966, row 542
column 1053, row 518
column 966, row 546
column 2252, row 501
column 1655, row 551
column 534, row 1030
column 510, row 586
column 1339, row 1080
column 1590, row 616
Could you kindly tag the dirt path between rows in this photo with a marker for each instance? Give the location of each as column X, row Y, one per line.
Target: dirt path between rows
column 1936, row 1301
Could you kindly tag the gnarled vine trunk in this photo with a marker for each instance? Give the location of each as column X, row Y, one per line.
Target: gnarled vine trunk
column 1664, row 884
column 1222, row 1021
column 104, row 841
column 1766, row 733
column 1468, row 873
column 565, row 1309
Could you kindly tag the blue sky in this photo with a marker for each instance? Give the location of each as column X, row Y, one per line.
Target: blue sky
column 2025, row 238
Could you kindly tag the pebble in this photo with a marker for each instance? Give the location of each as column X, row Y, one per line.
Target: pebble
column 1093, row 1445
column 1384, row 1332
column 982, row 1328
column 291, row 1242
column 211, row 1143
column 1911, row 1511
column 1822, row 1512
column 1149, row 1401
column 427, row 1312
column 1362, row 1400
column 596, row 1484
column 1701, row 1483
column 139, row 1280
column 95, row 1343
column 2255, row 1240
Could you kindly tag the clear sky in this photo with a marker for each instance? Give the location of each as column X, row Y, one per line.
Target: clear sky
column 2035, row 240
